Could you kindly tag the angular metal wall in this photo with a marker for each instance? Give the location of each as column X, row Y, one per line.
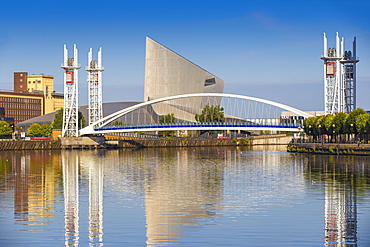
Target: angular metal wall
column 167, row 74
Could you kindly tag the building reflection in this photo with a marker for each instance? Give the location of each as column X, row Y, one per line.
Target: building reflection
column 183, row 188
column 180, row 194
column 341, row 183
column 34, row 186
column 72, row 164
column 96, row 175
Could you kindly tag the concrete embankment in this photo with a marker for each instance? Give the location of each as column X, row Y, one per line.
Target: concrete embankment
column 101, row 142
column 29, row 145
column 330, row 148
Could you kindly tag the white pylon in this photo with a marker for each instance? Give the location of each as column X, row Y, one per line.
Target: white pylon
column 70, row 111
column 94, row 79
column 339, row 77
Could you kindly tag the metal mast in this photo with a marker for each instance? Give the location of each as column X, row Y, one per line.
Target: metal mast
column 94, row 79
column 70, row 112
column 339, row 77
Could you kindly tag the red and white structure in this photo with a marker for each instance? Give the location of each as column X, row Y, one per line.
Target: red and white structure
column 339, row 77
column 94, row 80
column 70, row 111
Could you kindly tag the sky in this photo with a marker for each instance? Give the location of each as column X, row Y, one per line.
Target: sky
column 267, row 49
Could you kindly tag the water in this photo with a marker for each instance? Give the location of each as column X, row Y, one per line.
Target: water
column 222, row 196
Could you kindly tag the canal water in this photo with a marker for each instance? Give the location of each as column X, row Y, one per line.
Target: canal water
column 219, row 196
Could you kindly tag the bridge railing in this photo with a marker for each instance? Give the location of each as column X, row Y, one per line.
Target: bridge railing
column 197, row 124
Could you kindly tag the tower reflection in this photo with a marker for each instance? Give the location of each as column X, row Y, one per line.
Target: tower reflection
column 96, row 174
column 339, row 177
column 70, row 163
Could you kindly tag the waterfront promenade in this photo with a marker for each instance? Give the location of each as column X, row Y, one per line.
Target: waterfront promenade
column 117, row 142
column 330, row 148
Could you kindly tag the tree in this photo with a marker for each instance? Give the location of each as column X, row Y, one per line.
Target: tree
column 58, row 120
column 327, row 123
column 339, row 122
column 118, row 122
column 363, row 123
column 5, row 128
column 350, row 126
column 211, row 113
column 45, row 130
column 34, row 129
column 308, row 124
column 169, row 118
column 81, row 120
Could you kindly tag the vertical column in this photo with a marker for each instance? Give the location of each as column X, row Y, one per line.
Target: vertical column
column 70, row 111
column 94, row 78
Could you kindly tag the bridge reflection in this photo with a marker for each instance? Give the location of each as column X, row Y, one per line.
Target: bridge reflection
column 182, row 188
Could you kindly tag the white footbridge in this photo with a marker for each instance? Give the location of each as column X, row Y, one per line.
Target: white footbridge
column 240, row 113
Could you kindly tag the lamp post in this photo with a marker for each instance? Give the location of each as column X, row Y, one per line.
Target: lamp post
column 320, row 137
column 334, row 132
column 350, row 131
column 309, row 130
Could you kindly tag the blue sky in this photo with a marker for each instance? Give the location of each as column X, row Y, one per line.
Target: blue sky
column 266, row 49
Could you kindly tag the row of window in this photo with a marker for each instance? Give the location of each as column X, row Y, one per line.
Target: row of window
column 20, row 100
column 20, row 113
column 21, row 106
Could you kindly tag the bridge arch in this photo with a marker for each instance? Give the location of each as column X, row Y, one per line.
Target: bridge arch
column 199, row 99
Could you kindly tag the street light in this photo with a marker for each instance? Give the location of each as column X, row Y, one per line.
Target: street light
column 350, row 131
column 334, row 132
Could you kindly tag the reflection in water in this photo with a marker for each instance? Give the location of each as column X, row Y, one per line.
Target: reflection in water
column 70, row 163
column 179, row 194
column 342, row 177
column 96, row 174
column 34, row 187
column 184, row 190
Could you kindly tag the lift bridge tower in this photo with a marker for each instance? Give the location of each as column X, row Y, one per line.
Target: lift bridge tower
column 70, row 112
column 94, row 79
column 339, row 77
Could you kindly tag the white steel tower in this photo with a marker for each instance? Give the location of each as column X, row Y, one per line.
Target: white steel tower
column 70, row 112
column 94, row 79
column 339, row 77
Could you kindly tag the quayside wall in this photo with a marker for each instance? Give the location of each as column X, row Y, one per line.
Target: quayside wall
column 29, row 145
column 101, row 142
column 330, row 148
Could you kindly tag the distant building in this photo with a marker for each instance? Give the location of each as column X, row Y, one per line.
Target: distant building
column 44, row 84
column 168, row 73
column 33, row 96
column 21, row 106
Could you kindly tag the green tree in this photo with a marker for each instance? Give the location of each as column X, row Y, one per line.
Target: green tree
column 327, row 123
column 339, row 122
column 168, row 118
column 34, row 129
column 58, row 120
column 5, row 128
column 118, row 122
column 308, row 124
column 81, row 120
column 363, row 123
column 45, row 130
column 211, row 113
column 350, row 125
